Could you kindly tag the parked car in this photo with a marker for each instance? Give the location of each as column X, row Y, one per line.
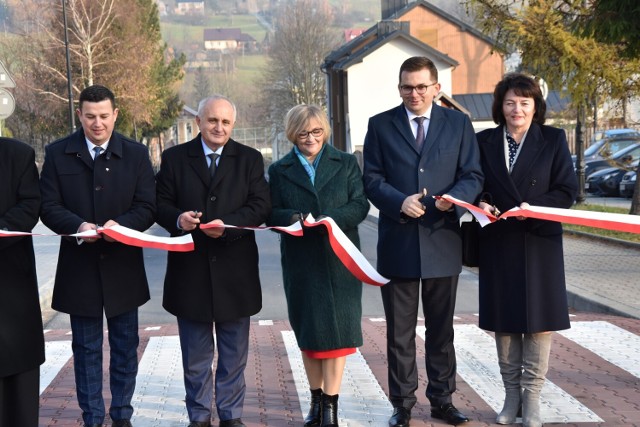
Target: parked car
column 610, row 141
column 606, row 182
column 627, row 184
column 622, row 158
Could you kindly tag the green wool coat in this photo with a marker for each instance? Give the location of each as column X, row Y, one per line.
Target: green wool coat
column 323, row 298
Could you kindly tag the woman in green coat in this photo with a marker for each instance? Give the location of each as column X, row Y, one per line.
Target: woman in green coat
column 323, row 298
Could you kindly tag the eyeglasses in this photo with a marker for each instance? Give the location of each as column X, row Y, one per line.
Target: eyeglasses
column 317, row 132
column 420, row 89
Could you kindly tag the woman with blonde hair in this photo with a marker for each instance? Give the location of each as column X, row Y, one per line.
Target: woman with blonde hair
column 323, row 298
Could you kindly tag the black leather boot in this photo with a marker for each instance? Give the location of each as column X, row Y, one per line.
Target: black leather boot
column 329, row 410
column 314, row 418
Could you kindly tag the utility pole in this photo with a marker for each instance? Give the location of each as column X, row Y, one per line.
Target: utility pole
column 580, row 166
column 72, row 119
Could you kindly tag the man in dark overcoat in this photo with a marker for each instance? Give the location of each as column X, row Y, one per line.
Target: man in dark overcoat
column 21, row 337
column 94, row 178
column 411, row 152
column 213, row 179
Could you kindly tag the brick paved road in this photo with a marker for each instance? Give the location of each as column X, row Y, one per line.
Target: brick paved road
column 593, row 377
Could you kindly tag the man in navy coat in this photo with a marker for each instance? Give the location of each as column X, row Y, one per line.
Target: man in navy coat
column 412, row 152
column 94, row 178
column 213, row 179
column 21, row 337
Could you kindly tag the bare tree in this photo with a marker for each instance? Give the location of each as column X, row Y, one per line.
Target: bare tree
column 114, row 43
column 302, row 37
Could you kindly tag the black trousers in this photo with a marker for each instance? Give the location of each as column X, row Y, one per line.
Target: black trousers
column 400, row 298
column 20, row 399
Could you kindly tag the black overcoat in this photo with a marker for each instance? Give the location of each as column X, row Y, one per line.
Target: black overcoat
column 323, row 298
column 219, row 281
column 21, row 337
column 522, row 283
column 120, row 186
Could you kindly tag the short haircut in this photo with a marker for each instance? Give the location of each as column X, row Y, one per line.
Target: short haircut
column 417, row 63
column 298, row 118
column 522, row 85
column 97, row 93
column 208, row 99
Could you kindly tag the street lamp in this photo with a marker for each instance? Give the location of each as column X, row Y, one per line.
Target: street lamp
column 72, row 120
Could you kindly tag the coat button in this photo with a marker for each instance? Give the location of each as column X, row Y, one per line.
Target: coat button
column 98, row 187
column 533, row 182
column 421, row 170
column 213, row 259
column 213, row 198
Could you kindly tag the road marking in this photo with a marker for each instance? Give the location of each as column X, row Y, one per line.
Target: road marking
column 362, row 400
column 159, row 394
column 614, row 344
column 478, row 366
column 57, row 354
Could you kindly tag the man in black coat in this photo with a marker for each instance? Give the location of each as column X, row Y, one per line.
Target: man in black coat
column 21, row 337
column 95, row 178
column 213, row 179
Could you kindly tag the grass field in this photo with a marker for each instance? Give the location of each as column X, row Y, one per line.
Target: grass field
column 631, row 237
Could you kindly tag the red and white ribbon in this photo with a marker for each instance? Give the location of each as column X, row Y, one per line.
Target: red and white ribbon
column 344, row 249
column 293, row 229
column 605, row 220
column 347, row 252
column 126, row 236
column 136, row 238
column 479, row 214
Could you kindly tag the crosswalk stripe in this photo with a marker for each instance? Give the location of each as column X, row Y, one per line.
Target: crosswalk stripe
column 478, row 365
column 159, row 393
column 57, row 354
column 362, row 400
column 612, row 343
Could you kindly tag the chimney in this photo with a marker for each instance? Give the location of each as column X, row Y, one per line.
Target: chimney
column 390, row 7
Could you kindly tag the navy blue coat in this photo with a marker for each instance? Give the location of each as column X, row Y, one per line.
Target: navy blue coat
column 219, row 281
column 21, row 337
column 522, row 284
column 120, row 186
column 323, row 297
column 430, row 246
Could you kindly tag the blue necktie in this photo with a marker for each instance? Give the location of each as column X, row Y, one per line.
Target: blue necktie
column 97, row 151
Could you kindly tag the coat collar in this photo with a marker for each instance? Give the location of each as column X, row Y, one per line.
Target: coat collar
column 198, row 161
column 436, row 123
column 533, row 145
column 328, row 166
column 78, row 146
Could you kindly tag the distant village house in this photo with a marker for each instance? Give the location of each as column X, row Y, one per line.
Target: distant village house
column 228, row 39
column 189, row 7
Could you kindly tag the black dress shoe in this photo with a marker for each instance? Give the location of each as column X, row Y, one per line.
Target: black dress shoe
column 400, row 417
column 122, row 423
column 449, row 413
column 199, row 424
column 236, row 422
